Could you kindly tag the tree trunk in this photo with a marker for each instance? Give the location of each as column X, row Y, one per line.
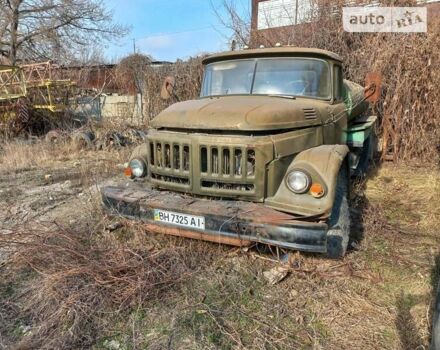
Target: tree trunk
column 14, row 32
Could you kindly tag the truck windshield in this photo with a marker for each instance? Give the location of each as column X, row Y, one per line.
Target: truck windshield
column 268, row 76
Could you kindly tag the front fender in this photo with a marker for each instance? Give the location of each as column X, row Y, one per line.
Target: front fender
column 140, row 152
column 323, row 164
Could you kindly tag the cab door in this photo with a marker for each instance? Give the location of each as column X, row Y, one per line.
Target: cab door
column 336, row 124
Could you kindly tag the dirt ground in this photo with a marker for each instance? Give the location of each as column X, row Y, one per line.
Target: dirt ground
column 378, row 297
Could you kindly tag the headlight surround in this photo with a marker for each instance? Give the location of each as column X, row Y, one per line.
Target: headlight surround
column 138, row 167
column 298, row 181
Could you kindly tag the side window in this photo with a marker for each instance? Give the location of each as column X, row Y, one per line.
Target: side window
column 338, row 82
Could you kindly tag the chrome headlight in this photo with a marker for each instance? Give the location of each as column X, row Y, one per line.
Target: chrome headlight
column 138, row 167
column 298, row 181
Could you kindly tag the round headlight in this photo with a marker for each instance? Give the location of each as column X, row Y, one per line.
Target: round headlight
column 298, row 181
column 138, row 168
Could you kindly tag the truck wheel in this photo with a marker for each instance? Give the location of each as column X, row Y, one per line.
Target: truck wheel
column 339, row 222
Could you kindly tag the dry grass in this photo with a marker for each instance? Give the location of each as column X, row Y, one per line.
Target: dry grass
column 74, row 288
column 78, row 281
column 22, row 155
column 18, row 155
column 83, row 287
column 413, row 203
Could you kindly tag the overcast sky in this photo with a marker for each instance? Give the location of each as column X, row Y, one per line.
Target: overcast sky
column 170, row 29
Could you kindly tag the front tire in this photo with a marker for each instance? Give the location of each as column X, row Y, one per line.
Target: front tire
column 339, row 223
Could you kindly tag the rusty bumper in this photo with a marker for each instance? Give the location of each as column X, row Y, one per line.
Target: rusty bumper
column 226, row 221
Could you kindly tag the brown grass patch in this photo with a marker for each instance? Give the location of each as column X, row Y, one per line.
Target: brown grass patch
column 75, row 284
column 24, row 155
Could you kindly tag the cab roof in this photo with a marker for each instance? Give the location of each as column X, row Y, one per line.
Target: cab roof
column 286, row 51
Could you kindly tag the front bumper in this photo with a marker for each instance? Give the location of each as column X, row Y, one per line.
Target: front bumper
column 226, row 221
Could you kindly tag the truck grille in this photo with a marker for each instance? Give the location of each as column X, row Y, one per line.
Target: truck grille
column 170, row 162
column 195, row 165
column 227, row 168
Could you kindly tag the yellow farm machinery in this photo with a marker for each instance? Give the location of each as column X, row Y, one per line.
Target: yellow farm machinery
column 30, row 92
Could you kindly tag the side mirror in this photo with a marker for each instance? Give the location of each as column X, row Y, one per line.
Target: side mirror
column 167, row 90
column 372, row 89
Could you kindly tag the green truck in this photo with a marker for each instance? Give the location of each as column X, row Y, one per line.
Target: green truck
column 265, row 154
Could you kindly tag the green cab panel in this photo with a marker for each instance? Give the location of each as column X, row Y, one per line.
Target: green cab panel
column 359, row 131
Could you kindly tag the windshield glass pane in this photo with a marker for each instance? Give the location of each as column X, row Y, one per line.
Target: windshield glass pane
column 298, row 77
column 230, row 77
column 273, row 76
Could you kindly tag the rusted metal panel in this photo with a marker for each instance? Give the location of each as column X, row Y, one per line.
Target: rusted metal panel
column 227, row 221
column 174, row 231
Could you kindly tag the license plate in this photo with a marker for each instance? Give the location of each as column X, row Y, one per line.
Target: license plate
column 179, row 219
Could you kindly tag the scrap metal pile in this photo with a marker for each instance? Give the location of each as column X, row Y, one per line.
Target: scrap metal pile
column 29, row 92
column 85, row 138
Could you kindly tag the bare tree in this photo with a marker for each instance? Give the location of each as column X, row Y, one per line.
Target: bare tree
column 237, row 22
column 133, row 71
column 36, row 29
column 88, row 56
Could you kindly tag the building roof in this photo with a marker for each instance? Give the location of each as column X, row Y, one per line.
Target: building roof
column 283, row 51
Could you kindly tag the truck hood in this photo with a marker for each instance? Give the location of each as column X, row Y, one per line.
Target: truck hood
column 243, row 113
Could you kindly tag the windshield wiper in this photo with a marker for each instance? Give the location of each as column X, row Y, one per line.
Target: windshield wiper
column 284, row 96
